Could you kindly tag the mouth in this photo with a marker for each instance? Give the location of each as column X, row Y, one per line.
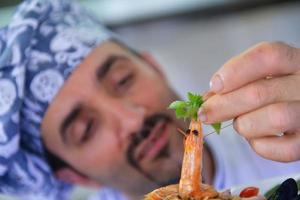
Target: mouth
column 155, row 145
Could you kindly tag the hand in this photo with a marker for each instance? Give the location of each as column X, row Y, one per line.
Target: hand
column 260, row 90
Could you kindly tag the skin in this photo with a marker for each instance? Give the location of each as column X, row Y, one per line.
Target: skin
column 259, row 89
column 133, row 90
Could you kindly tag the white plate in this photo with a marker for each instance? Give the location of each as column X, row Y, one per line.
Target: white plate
column 265, row 185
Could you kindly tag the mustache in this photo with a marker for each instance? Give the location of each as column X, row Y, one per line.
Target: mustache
column 140, row 136
column 148, row 125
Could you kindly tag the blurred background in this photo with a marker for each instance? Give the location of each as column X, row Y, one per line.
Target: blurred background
column 193, row 38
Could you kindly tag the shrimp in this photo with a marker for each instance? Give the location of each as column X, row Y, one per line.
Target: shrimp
column 190, row 185
column 190, row 181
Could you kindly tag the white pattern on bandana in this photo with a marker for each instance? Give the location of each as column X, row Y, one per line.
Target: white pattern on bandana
column 45, row 84
column 7, row 95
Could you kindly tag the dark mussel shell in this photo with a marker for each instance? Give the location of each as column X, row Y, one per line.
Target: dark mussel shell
column 296, row 197
column 288, row 190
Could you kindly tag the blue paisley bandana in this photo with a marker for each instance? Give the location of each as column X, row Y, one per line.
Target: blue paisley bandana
column 42, row 45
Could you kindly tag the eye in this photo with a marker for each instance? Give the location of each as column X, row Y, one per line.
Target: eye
column 125, row 82
column 86, row 127
column 88, row 131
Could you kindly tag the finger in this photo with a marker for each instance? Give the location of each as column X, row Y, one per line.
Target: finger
column 269, row 121
column 250, row 97
column 284, row 149
column 261, row 61
column 207, row 95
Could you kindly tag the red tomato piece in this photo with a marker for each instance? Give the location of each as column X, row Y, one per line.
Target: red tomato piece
column 249, row 192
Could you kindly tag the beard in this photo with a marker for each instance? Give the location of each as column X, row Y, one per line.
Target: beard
column 164, row 154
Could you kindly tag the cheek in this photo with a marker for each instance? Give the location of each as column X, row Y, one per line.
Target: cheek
column 153, row 92
column 96, row 157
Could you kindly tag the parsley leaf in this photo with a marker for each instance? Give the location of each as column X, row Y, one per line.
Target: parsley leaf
column 189, row 108
column 217, row 127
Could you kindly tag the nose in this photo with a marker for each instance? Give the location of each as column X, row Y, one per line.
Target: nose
column 130, row 117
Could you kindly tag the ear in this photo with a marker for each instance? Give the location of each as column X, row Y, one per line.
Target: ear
column 71, row 176
column 152, row 62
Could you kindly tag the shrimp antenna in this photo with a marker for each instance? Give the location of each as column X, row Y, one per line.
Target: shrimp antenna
column 182, row 132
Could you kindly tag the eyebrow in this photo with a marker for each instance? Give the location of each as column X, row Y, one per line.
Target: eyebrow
column 107, row 64
column 69, row 119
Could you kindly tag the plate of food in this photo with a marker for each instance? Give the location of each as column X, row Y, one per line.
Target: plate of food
column 190, row 186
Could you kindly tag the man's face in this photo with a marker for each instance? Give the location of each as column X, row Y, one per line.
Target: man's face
column 110, row 122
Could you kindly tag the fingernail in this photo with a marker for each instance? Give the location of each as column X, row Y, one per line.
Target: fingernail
column 216, row 84
column 202, row 115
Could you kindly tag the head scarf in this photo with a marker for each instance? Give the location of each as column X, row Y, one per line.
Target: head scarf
column 39, row 49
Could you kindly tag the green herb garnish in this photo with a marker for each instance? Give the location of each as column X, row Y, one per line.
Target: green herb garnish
column 188, row 109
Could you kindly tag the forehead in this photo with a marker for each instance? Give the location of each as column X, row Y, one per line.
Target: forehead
column 97, row 57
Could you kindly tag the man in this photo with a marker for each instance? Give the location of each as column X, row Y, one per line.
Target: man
column 100, row 109
column 114, row 98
